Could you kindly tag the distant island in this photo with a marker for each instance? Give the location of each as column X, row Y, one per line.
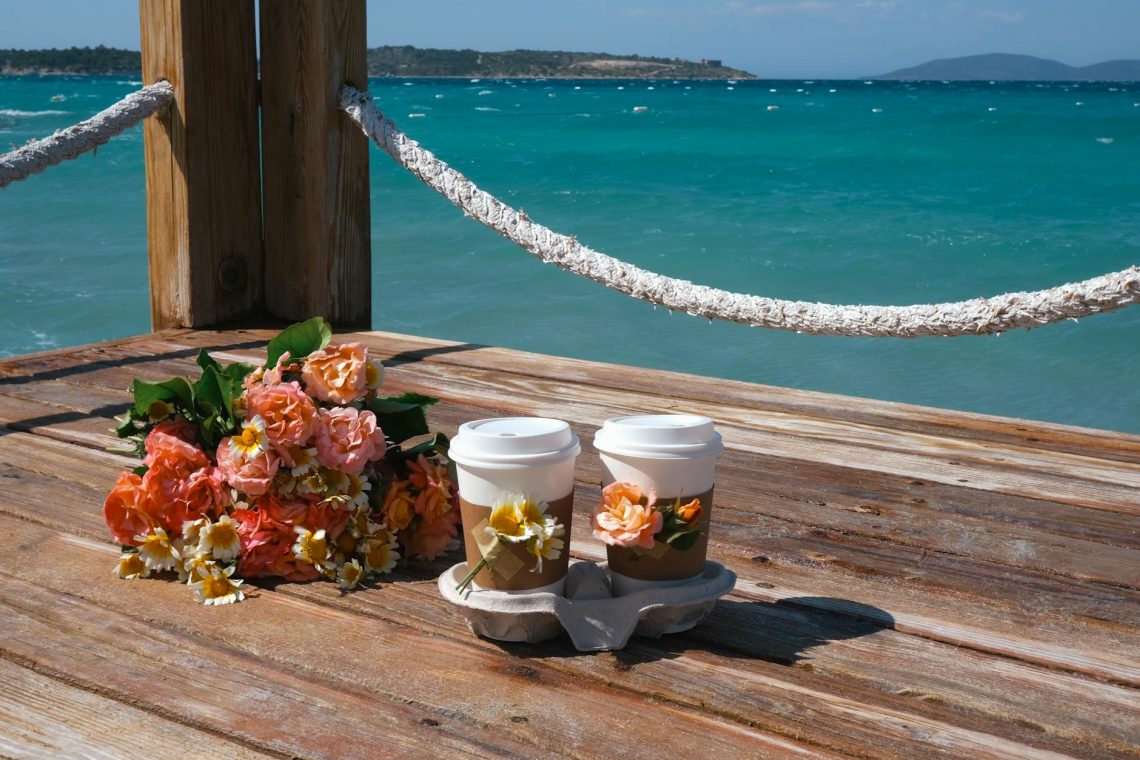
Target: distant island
column 408, row 61
column 1007, row 67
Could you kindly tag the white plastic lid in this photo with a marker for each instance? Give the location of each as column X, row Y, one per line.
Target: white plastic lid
column 659, row 436
column 507, row 441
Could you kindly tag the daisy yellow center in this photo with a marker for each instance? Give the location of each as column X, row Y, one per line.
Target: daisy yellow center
column 378, row 554
column 312, row 549
column 131, row 564
column 249, row 439
column 217, row 586
column 507, row 521
column 158, row 547
column 350, row 574
column 221, row 534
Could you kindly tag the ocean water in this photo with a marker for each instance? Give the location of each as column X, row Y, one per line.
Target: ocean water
column 846, row 192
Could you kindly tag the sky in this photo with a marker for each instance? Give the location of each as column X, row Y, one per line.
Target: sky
column 774, row 39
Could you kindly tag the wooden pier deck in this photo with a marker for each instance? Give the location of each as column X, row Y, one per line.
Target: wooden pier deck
column 913, row 583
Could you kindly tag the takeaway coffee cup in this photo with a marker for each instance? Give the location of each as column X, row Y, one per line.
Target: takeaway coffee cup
column 673, row 455
column 529, row 456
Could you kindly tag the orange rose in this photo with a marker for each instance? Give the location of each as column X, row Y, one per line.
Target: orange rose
column 435, row 496
column 430, row 539
column 337, row 373
column 622, row 521
column 290, row 416
column 690, row 513
column 398, row 509
column 128, row 509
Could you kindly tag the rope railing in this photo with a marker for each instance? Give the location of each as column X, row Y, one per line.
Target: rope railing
column 86, row 135
column 973, row 317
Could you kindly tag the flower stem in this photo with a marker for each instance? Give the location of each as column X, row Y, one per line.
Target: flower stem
column 471, row 575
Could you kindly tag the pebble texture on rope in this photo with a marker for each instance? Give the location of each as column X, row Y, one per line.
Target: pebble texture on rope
column 974, row 317
column 86, row 135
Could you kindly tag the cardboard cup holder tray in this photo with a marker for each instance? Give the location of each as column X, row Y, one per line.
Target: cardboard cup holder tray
column 587, row 610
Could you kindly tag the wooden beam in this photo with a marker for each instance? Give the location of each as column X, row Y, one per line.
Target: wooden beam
column 317, row 221
column 202, row 171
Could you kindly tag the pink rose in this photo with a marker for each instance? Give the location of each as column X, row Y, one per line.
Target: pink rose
column 348, row 439
column 337, row 373
column 290, row 416
column 267, row 548
column 250, row 475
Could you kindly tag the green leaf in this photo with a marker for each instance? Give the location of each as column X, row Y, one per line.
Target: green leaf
column 683, row 541
column 147, row 393
column 399, row 420
column 299, row 340
column 140, row 470
column 205, row 361
column 209, row 393
column 436, row 444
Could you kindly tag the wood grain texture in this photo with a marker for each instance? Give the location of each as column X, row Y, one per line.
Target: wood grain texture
column 202, row 162
column 43, row 717
column 317, row 213
column 911, row 585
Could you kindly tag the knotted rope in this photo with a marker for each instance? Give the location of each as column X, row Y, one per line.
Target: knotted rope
column 86, row 135
column 977, row 316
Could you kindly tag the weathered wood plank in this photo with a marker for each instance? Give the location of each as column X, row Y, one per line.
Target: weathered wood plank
column 290, row 656
column 202, row 168
column 317, row 228
column 42, row 717
column 1006, row 697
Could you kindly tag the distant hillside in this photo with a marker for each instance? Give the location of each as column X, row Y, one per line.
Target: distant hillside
column 1005, row 66
column 409, row 61
column 85, row 60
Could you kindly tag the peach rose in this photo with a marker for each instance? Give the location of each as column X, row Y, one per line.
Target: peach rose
column 253, row 475
column 173, row 452
column 290, row 416
column 337, row 373
column 348, row 439
column 622, row 521
column 128, row 509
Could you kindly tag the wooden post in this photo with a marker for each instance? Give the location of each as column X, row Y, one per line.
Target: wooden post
column 317, row 225
column 202, row 174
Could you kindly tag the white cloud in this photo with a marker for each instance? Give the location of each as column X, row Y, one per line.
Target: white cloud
column 806, row 7
column 774, row 9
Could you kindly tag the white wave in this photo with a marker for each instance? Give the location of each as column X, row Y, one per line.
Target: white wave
column 135, row 82
column 18, row 113
column 485, row 108
column 1106, row 140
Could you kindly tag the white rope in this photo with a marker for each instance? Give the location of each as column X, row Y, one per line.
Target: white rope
column 86, row 135
column 977, row 316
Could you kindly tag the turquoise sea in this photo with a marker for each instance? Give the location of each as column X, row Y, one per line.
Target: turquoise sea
column 851, row 192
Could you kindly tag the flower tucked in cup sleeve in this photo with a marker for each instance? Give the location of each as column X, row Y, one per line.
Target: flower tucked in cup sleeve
column 622, row 520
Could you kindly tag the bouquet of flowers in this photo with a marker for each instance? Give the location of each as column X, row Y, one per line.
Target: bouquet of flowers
column 297, row 469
